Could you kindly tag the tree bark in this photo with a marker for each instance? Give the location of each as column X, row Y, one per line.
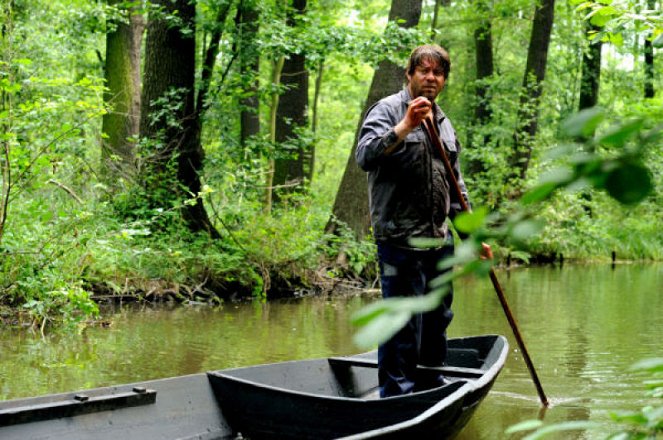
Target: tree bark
column 591, row 72
column 170, row 120
column 292, row 166
column 528, row 112
column 249, row 60
column 351, row 204
column 122, row 74
column 485, row 68
column 277, row 67
column 649, row 91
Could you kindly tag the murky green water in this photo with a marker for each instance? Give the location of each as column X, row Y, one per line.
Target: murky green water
column 583, row 325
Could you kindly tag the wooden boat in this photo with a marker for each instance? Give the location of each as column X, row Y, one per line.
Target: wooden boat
column 337, row 397
column 320, row 398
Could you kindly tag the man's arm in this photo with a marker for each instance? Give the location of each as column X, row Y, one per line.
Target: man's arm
column 379, row 136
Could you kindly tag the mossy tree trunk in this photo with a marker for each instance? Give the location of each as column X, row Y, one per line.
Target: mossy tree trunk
column 122, row 74
column 170, row 123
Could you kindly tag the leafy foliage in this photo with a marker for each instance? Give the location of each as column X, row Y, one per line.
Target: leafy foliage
column 65, row 233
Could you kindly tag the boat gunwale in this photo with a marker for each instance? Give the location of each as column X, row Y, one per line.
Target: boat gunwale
column 476, row 383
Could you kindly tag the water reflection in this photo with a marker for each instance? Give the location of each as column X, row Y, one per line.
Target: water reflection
column 583, row 326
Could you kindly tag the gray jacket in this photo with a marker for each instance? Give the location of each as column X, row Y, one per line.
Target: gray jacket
column 409, row 193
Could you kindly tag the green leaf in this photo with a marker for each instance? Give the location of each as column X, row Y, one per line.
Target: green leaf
column 629, row 183
column 463, row 253
column 538, row 193
column 523, row 230
column 385, row 318
column 426, row 242
column 651, row 364
column 630, row 417
column 658, row 42
column 368, row 313
column 575, row 425
column 381, row 329
column 617, row 136
column 521, row 255
column 527, row 425
column 584, row 122
column 616, row 38
column 469, row 222
column 654, row 134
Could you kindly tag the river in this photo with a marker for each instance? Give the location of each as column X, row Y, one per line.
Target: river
column 584, row 326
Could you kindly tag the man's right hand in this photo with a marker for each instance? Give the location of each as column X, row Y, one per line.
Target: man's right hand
column 418, row 109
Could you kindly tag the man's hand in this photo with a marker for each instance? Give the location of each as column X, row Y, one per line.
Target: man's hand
column 418, row 109
column 486, row 252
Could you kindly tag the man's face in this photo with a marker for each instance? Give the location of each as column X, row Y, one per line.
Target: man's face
column 426, row 80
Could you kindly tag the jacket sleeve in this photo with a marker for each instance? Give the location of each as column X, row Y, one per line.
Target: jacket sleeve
column 375, row 136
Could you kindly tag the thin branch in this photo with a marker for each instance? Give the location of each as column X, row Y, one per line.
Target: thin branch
column 66, row 189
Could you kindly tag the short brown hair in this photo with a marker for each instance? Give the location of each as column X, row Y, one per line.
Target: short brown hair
column 431, row 52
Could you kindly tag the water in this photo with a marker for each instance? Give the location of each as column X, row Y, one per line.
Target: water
column 583, row 325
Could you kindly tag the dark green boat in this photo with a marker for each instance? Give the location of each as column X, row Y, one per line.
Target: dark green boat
column 310, row 399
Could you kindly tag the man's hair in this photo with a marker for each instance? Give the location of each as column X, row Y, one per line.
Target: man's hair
column 431, row 52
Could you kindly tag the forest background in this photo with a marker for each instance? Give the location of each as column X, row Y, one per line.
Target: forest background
column 203, row 150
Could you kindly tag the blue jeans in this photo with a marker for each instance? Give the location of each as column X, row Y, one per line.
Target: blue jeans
column 423, row 340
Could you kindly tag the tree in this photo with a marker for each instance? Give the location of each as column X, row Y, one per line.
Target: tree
column 170, row 122
column 249, row 60
column 591, row 71
column 293, row 165
column 649, row 58
column 535, row 70
column 351, row 203
column 483, row 43
column 122, row 76
column 436, row 14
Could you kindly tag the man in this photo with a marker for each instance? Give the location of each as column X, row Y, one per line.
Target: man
column 410, row 197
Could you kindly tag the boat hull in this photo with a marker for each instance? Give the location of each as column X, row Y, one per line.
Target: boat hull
column 333, row 398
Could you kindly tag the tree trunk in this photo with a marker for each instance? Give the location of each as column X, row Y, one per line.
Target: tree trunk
column 122, row 74
column 528, row 112
column 293, row 164
column 483, row 43
column 591, row 72
column 436, row 15
column 316, row 95
column 351, row 204
column 169, row 120
column 649, row 59
column 277, row 67
column 249, row 60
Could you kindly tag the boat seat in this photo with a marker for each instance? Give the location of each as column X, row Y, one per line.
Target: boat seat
column 468, row 373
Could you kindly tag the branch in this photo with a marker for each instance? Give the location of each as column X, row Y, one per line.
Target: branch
column 66, row 189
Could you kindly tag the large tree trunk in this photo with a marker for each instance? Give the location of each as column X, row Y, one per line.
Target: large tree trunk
column 591, row 73
column 122, row 74
column 351, row 204
column 249, row 60
column 528, row 112
column 483, row 42
column 292, row 166
column 169, row 119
